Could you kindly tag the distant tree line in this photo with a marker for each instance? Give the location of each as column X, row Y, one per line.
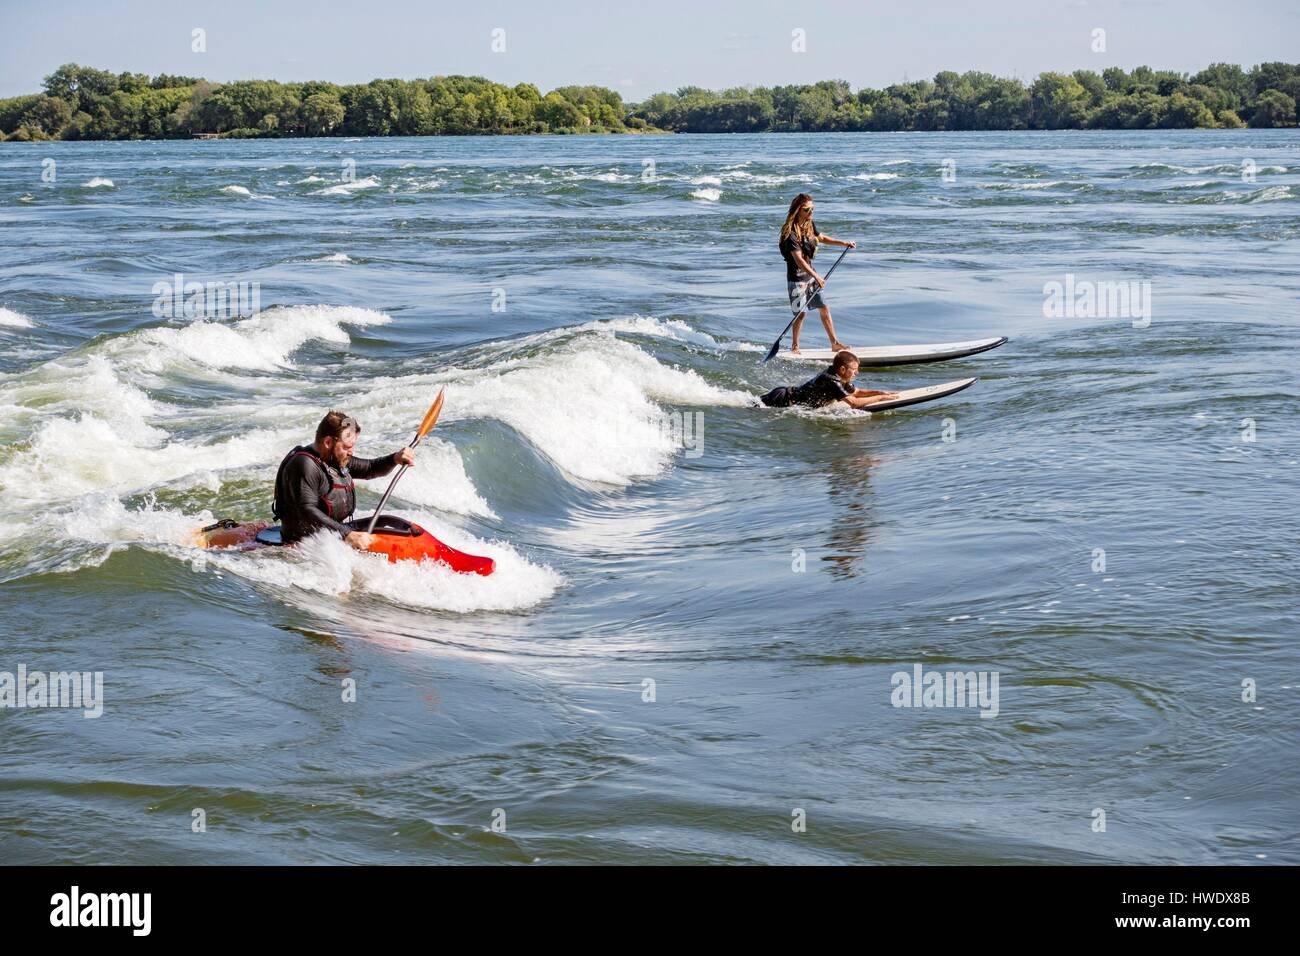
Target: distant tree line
column 1221, row 96
column 83, row 103
column 80, row 102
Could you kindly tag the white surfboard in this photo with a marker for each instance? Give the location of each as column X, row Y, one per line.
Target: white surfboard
column 900, row 354
column 914, row 396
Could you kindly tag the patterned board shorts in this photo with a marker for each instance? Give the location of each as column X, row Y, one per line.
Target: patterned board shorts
column 797, row 291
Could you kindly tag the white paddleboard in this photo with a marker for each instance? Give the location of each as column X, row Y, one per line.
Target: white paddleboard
column 900, row 354
column 914, row 396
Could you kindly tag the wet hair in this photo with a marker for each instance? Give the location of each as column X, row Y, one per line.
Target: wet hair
column 843, row 359
column 334, row 424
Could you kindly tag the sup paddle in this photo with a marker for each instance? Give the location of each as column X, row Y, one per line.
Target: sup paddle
column 776, row 346
column 430, row 419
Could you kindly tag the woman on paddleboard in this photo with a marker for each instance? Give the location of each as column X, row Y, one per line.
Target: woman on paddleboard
column 799, row 239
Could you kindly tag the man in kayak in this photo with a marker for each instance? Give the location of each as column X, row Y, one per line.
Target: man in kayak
column 315, row 489
column 835, row 384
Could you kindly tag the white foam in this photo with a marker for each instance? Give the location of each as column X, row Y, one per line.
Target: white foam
column 74, row 385
column 835, row 410
column 84, row 423
column 104, row 519
column 99, row 182
column 263, row 342
column 71, row 457
column 646, row 325
column 672, row 329
column 765, row 179
column 323, row 564
column 589, row 406
column 872, row 177
column 438, row 480
column 706, row 181
column 348, row 188
column 1047, row 184
column 578, row 175
column 341, row 257
column 237, row 190
column 14, row 320
column 1270, row 194
column 707, row 195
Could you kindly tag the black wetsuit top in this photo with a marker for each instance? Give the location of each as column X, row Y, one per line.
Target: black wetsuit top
column 816, row 392
column 809, row 249
column 310, row 495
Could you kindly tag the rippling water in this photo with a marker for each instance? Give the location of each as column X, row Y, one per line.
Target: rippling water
column 682, row 647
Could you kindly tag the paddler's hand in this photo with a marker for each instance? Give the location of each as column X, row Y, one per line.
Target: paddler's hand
column 818, row 280
column 406, row 456
column 360, row 540
column 850, row 245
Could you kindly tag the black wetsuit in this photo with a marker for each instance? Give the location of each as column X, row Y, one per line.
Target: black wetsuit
column 310, row 495
column 816, row 392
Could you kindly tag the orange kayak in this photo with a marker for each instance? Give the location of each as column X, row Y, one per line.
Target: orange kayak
column 399, row 539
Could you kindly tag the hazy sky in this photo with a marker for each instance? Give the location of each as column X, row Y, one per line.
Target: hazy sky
column 635, row 48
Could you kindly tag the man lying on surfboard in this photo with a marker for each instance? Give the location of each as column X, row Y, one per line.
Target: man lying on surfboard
column 835, row 384
column 315, row 489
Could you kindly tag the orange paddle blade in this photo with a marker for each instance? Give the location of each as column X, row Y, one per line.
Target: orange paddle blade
column 431, row 418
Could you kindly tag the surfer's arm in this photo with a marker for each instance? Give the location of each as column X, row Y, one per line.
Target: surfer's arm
column 863, row 398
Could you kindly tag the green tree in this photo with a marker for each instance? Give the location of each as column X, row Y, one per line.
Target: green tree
column 13, row 109
column 322, row 113
column 1230, row 81
column 1116, row 80
column 48, row 114
column 1004, row 104
column 1058, row 102
column 558, row 113
column 1093, row 83
column 1186, row 112
column 1273, row 108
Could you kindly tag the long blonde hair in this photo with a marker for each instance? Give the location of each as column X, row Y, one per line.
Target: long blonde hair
column 800, row 230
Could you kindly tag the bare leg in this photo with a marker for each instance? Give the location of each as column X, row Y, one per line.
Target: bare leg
column 794, row 332
column 836, row 344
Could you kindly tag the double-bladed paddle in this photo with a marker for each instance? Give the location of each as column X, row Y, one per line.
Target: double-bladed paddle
column 776, row 346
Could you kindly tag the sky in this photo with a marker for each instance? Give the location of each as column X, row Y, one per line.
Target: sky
column 636, row 48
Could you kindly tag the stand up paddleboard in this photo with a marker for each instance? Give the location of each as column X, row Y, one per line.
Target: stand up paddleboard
column 914, row 396
column 397, row 538
column 900, row 354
